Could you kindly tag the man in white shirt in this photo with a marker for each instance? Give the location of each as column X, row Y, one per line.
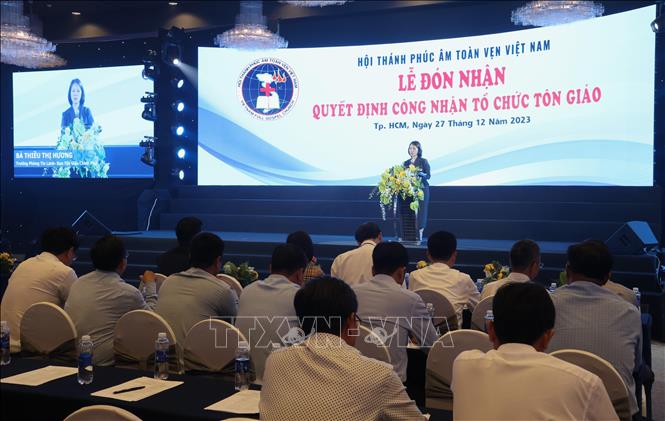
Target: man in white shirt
column 196, row 294
column 517, row 380
column 440, row 276
column 265, row 312
column 524, row 266
column 43, row 278
column 392, row 312
column 325, row 377
column 355, row 266
column 99, row 299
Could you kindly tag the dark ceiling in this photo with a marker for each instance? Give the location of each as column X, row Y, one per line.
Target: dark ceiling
column 119, row 19
column 122, row 19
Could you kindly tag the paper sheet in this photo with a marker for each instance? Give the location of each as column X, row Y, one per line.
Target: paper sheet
column 243, row 402
column 152, row 387
column 40, row 376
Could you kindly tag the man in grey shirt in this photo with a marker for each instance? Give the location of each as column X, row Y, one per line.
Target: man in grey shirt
column 266, row 314
column 392, row 312
column 595, row 319
column 99, row 299
column 196, row 294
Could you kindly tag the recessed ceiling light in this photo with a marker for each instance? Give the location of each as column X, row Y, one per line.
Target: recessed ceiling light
column 173, row 3
column 76, row 13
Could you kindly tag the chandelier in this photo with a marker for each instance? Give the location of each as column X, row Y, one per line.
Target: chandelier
column 314, row 3
column 250, row 32
column 18, row 45
column 548, row 13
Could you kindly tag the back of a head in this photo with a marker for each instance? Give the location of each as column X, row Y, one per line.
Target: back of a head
column 592, row 259
column 205, row 248
column 367, row 231
column 324, row 304
column 107, row 253
column 59, row 240
column 522, row 313
column 387, row 257
column 523, row 253
column 287, row 258
column 187, row 228
column 441, row 245
column 302, row 240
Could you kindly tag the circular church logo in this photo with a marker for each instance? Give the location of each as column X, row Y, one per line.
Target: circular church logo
column 268, row 88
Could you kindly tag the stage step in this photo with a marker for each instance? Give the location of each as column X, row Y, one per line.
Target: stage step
column 544, row 230
column 580, row 211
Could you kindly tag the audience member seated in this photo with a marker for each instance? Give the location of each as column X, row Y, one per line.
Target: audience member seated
column 621, row 291
column 46, row 277
column 177, row 259
column 518, row 380
column 524, row 266
column 99, row 299
column 440, row 276
column 595, row 319
column 265, row 312
column 304, row 241
column 355, row 266
column 196, row 294
column 325, row 377
column 392, row 312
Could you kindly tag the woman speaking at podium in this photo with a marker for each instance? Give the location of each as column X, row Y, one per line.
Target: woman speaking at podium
column 416, row 159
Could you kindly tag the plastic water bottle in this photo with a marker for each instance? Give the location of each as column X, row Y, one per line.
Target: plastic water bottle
column 479, row 285
column 489, row 317
column 85, row 360
column 552, row 287
column 4, row 343
column 636, row 291
column 162, row 356
column 430, row 310
column 242, row 366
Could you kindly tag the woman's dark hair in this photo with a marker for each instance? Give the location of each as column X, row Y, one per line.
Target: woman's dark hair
column 324, row 304
column 107, row 253
column 304, row 241
column 76, row 81
column 417, row 145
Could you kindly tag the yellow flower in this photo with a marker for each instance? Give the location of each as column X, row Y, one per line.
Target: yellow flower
column 402, row 174
column 500, row 276
column 412, row 168
column 421, row 195
column 421, row 264
column 488, row 268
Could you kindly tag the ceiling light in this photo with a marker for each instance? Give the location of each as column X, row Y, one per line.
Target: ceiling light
column 548, row 13
column 76, row 13
column 250, row 32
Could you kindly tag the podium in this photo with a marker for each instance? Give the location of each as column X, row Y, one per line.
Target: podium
column 407, row 223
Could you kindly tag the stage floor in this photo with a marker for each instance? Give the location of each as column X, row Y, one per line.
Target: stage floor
column 341, row 240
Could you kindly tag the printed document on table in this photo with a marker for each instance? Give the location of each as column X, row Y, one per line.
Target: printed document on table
column 40, row 376
column 243, row 402
column 149, row 387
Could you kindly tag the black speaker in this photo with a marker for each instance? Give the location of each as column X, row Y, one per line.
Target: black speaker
column 633, row 237
column 87, row 224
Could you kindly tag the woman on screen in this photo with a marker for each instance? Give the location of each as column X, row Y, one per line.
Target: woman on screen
column 416, row 159
column 77, row 108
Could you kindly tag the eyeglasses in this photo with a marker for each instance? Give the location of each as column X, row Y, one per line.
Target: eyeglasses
column 541, row 265
column 358, row 319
